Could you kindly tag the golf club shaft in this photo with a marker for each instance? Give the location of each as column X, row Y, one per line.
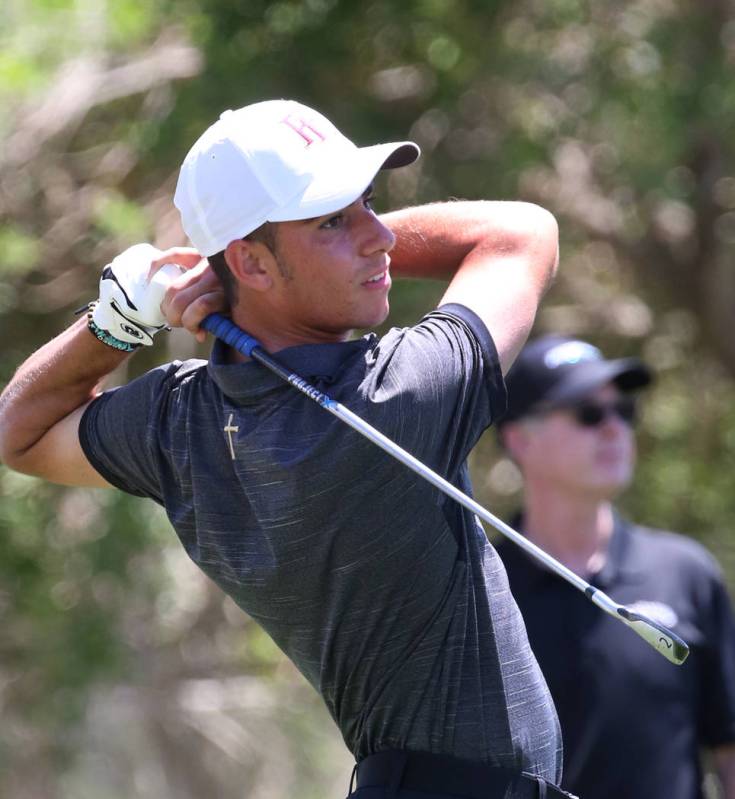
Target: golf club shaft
column 662, row 639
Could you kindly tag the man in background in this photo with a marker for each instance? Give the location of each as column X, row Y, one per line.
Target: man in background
column 633, row 724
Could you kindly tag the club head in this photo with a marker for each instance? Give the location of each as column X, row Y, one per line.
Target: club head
column 659, row 637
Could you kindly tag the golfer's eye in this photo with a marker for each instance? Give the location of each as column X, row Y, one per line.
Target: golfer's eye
column 332, row 222
column 369, row 201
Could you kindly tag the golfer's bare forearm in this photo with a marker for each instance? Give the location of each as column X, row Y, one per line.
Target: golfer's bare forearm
column 433, row 241
column 54, row 382
column 499, row 258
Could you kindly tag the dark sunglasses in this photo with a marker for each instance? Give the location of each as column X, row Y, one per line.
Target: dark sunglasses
column 592, row 414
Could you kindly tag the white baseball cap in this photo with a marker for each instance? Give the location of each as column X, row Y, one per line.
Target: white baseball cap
column 273, row 161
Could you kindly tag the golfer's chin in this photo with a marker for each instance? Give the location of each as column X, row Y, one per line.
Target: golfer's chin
column 375, row 316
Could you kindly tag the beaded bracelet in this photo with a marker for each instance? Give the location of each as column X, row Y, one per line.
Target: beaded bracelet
column 106, row 337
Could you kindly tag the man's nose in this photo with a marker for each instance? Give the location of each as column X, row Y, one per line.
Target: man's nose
column 614, row 425
column 378, row 236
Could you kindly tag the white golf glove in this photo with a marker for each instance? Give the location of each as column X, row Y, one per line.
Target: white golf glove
column 129, row 306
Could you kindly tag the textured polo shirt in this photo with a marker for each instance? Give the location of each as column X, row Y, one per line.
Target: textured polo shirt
column 633, row 724
column 384, row 592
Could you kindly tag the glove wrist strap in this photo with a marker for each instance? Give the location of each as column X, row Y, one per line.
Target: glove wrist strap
column 105, row 336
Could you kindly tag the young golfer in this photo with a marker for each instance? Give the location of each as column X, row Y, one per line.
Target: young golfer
column 383, row 592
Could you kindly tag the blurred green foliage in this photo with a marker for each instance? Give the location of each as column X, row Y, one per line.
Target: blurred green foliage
column 617, row 117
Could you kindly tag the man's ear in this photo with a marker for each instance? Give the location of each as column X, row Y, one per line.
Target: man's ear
column 251, row 263
column 514, row 439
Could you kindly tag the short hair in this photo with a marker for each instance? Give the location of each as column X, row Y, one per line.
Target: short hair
column 265, row 234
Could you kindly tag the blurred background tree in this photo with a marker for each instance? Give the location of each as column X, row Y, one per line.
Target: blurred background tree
column 123, row 672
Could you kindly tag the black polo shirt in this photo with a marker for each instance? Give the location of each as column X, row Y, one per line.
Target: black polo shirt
column 632, row 723
column 383, row 591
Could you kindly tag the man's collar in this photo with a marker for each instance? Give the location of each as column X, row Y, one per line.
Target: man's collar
column 618, row 566
column 248, row 381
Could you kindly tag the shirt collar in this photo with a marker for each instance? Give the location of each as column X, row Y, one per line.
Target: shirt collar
column 619, row 566
column 249, row 381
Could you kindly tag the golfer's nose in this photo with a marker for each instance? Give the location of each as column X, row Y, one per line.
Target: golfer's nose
column 377, row 237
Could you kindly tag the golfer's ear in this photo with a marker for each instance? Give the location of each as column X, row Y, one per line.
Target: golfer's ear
column 251, row 263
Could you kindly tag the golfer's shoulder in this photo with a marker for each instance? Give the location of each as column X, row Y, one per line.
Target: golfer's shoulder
column 189, row 372
column 159, row 387
column 175, row 375
column 451, row 329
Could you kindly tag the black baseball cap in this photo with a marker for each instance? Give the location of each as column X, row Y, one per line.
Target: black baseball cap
column 554, row 371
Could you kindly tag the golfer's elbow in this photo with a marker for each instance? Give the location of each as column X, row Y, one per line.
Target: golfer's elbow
column 11, row 449
column 526, row 237
column 18, row 461
column 541, row 244
column 16, row 437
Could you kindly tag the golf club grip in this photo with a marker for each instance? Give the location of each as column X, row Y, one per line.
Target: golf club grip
column 675, row 650
column 226, row 330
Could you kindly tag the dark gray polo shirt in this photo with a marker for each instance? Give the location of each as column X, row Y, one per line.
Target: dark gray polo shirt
column 385, row 594
column 633, row 723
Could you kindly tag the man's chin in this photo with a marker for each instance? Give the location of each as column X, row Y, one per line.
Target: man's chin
column 372, row 320
column 383, row 315
column 609, row 488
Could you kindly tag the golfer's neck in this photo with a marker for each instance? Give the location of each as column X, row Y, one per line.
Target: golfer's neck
column 275, row 335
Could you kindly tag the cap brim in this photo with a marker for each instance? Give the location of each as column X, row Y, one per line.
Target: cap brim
column 344, row 179
column 628, row 374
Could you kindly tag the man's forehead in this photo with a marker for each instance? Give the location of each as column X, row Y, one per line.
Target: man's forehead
column 609, row 389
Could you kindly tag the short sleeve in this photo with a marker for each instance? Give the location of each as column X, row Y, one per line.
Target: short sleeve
column 121, row 431
column 436, row 387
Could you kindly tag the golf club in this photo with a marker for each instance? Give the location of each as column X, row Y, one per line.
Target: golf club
column 659, row 637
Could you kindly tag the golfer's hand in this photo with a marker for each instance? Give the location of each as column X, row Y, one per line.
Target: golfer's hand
column 192, row 296
column 129, row 305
